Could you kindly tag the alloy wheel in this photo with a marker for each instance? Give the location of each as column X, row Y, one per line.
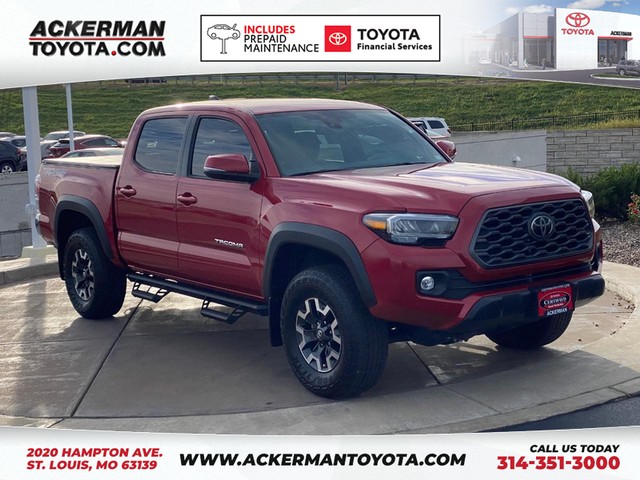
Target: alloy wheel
column 83, row 275
column 318, row 335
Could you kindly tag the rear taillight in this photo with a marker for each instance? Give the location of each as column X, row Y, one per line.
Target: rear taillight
column 449, row 130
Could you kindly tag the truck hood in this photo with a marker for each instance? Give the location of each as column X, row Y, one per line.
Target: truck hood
column 441, row 188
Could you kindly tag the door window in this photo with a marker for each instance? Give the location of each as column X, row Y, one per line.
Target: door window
column 158, row 148
column 218, row 136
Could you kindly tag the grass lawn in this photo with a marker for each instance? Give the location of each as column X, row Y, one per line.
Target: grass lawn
column 110, row 107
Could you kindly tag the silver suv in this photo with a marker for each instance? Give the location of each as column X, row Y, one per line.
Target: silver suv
column 628, row 66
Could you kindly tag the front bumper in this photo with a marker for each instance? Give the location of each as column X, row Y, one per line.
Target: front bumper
column 499, row 312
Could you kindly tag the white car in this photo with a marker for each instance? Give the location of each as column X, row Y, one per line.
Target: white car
column 436, row 124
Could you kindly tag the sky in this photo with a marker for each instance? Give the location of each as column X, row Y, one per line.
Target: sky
column 512, row 7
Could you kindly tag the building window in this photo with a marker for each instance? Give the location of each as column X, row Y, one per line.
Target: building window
column 538, row 49
column 610, row 52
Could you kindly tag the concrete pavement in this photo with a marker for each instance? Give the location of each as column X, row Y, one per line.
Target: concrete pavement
column 165, row 368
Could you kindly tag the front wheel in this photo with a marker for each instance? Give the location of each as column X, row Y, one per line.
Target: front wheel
column 96, row 287
column 335, row 347
column 533, row 335
column 622, row 72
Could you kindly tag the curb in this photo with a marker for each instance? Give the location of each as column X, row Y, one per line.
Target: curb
column 22, row 269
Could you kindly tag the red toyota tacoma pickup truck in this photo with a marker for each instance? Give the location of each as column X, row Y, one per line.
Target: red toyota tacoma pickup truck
column 340, row 222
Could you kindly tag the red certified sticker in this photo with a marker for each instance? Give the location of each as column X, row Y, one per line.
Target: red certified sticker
column 555, row 300
column 337, row 38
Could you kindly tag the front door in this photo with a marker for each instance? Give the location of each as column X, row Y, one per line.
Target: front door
column 218, row 219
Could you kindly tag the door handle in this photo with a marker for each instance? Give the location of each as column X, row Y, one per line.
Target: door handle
column 187, row 199
column 128, row 191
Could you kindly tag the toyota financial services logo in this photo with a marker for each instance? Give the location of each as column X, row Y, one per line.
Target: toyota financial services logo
column 578, row 19
column 223, row 32
column 541, row 227
column 337, row 38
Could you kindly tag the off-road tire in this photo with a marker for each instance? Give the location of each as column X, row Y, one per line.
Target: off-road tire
column 96, row 287
column 363, row 339
column 533, row 335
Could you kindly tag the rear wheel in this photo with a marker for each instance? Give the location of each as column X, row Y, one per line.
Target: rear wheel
column 96, row 287
column 533, row 335
column 335, row 347
column 622, row 72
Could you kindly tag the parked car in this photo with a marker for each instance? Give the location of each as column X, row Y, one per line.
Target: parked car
column 45, row 146
column 447, row 146
column 19, row 141
column 337, row 221
column 82, row 142
column 436, row 124
column 4, row 135
column 625, row 67
column 57, row 135
column 11, row 157
column 94, row 152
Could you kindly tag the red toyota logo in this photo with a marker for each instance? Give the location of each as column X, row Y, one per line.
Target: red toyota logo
column 337, row 38
column 578, row 19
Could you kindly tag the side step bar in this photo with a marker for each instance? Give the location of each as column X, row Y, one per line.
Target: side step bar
column 162, row 288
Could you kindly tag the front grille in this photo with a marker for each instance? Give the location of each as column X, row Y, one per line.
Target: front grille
column 505, row 239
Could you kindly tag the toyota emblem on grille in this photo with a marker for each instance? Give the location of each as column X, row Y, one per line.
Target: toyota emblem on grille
column 541, row 227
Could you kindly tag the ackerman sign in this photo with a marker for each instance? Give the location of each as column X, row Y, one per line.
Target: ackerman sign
column 317, row 38
column 97, row 38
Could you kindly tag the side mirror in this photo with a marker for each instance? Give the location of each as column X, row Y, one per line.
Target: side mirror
column 447, row 147
column 229, row 166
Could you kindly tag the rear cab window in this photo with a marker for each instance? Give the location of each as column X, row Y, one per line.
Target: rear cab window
column 159, row 144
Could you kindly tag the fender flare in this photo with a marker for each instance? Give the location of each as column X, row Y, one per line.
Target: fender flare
column 88, row 209
column 322, row 238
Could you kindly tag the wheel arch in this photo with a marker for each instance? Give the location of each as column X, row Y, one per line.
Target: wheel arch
column 73, row 213
column 303, row 245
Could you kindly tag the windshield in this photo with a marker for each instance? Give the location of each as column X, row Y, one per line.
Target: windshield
column 325, row 140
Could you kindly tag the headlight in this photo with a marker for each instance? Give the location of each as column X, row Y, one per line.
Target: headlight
column 588, row 197
column 412, row 229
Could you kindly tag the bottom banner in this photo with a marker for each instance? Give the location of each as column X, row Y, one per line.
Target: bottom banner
column 27, row 453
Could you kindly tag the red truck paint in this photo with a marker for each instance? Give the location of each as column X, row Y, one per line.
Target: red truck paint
column 218, row 235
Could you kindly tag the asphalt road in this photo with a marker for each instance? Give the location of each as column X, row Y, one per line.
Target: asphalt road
column 573, row 76
column 615, row 414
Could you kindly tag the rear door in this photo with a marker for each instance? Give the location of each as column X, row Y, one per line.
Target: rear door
column 146, row 197
column 218, row 219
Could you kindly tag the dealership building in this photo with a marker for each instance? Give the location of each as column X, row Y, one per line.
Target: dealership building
column 568, row 39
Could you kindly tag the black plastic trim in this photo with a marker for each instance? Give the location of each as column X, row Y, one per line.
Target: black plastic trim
column 81, row 205
column 322, row 238
column 500, row 312
column 452, row 284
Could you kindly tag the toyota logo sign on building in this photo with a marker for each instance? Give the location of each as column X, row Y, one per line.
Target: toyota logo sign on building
column 337, row 38
column 578, row 19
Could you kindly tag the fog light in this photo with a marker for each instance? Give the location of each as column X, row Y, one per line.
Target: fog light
column 427, row 283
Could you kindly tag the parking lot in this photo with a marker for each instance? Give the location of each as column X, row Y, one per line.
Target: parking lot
column 166, row 368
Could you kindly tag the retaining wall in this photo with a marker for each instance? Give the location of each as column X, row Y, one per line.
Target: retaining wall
column 589, row 151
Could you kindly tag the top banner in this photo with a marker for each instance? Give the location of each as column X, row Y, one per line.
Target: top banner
column 88, row 41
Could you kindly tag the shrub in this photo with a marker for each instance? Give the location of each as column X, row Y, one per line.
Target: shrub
column 633, row 211
column 611, row 187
